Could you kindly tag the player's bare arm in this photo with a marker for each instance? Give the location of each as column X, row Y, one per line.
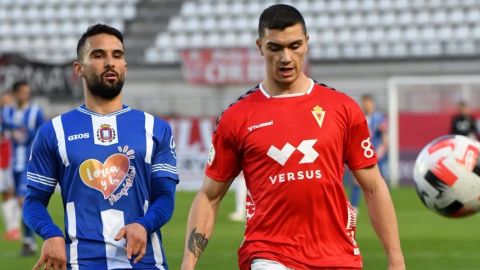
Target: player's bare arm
column 201, row 220
column 382, row 214
column 197, row 242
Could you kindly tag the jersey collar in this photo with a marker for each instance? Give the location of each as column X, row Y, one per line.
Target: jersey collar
column 84, row 109
column 267, row 95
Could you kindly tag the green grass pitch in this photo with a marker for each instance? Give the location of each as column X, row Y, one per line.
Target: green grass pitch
column 428, row 240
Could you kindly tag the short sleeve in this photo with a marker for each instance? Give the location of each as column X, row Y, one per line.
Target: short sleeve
column 43, row 165
column 164, row 159
column 360, row 151
column 223, row 161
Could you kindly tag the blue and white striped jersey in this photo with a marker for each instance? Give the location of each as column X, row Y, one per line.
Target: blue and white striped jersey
column 21, row 125
column 105, row 166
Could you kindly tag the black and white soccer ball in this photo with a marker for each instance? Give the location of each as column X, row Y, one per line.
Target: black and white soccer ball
column 447, row 176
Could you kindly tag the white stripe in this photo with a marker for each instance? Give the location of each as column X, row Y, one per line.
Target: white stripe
column 157, row 251
column 112, row 221
column 72, row 234
column 41, row 182
column 42, row 176
column 20, row 158
column 41, row 179
column 59, row 133
column 164, row 165
column 145, row 207
column 148, row 137
column 32, row 117
column 18, row 116
column 165, row 170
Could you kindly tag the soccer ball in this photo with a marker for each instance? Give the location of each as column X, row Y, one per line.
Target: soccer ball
column 447, row 176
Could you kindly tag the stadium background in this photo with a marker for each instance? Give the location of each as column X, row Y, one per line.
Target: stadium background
column 189, row 59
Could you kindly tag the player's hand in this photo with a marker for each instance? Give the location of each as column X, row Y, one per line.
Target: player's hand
column 53, row 256
column 136, row 237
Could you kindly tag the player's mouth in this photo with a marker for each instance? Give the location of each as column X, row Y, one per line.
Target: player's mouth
column 286, row 71
column 110, row 76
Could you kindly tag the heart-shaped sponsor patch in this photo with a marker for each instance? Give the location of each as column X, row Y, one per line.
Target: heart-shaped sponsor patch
column 105, row 177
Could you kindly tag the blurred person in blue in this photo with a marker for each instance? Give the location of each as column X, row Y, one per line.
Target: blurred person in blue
column 10, row 207
column 21, row 120
column 116, row 167
column 378, row 128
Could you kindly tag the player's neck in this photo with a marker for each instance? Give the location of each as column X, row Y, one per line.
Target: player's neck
column 275, row 88
column 103, row 106
column 22, row 105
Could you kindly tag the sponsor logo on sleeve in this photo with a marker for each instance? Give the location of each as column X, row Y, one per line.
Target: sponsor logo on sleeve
column 211, row 155
column 367, row 148
column 261, row 125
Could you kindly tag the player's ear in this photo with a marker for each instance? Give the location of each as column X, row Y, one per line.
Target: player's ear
column 78, row 68
column 308, row 38
column 259, row 46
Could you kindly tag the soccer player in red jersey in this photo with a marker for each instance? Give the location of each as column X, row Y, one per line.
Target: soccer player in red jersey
column 291, row 136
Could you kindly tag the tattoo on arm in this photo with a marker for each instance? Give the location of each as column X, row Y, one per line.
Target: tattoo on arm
column 197, row 242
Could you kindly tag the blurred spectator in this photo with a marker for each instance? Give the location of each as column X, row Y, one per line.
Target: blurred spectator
column 10, row 208
column 21, row 120
column 463, row 123
column 378, row 127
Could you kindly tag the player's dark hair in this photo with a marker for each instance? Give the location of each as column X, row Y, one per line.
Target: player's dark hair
column 279, row 17
column 16, row 85
column 96, row 30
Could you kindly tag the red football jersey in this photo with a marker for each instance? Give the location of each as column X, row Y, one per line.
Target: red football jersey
column 292, row 150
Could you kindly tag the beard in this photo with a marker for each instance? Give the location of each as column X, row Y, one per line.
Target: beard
column 99, row 88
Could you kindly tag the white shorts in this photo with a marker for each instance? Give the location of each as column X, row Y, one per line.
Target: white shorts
column 6, row 180
column 262, row 264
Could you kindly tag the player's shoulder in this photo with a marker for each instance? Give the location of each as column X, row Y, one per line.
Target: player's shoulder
column 330, row 92
column 158, row 122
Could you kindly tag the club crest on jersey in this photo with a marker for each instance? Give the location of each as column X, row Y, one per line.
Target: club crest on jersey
column 318, row 114
column 113, row 177
column 106, row 134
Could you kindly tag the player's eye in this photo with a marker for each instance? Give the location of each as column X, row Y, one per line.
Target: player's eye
column 295, row 46
column 118, row 55
column 274, row 48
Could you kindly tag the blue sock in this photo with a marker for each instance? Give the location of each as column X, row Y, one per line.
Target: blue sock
column 355, row 195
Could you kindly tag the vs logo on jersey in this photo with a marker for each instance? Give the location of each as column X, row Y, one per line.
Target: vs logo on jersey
column 318, row 114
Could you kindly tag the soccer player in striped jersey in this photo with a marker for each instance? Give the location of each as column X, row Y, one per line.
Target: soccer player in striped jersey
column 116, row 167
column 291, row 136
column 22, row 120
column 10, row 206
